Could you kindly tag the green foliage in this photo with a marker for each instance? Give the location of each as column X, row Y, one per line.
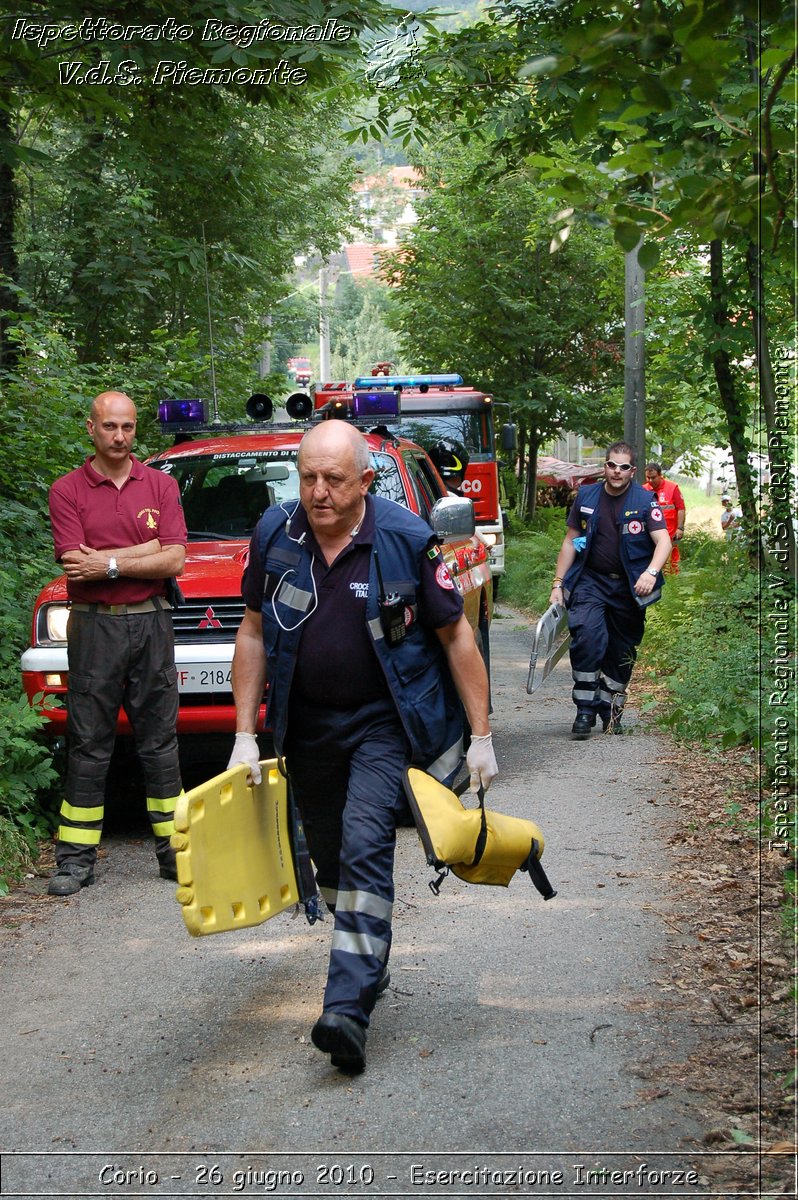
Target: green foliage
column 359, row 330
column 703, row 637
column 671, row 124
column 531, row 553
column 115, row 236
column 26, row 557
column 682, row 112
column 26, row 773
column 682, row 412
column 481, row 293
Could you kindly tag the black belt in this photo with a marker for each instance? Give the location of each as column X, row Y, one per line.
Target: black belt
column 603, row 574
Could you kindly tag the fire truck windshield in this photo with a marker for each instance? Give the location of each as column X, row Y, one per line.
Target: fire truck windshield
column 471, row 429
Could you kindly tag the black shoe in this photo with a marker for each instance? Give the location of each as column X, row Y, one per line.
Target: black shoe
column 611, row 725
column 580, row 730
column 383, row 982
column 343, row 1039
column 168, row 871
column 69, row 879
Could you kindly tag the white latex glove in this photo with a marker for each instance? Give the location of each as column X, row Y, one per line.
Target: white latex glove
column 246, row 753
column 481, row 762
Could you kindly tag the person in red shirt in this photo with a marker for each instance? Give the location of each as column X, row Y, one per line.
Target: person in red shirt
column 119, row 533
column 672, row 504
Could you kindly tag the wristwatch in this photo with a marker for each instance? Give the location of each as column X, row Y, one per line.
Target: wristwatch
column 112, row 570
column 651, row 571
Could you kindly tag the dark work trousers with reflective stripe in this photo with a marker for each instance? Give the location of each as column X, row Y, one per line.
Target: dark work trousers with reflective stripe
column 346, row 769
column 118, row 661
column 606, row 626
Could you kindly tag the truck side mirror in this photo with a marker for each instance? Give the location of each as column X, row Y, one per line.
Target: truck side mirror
column 453, row 517
column 509, row 438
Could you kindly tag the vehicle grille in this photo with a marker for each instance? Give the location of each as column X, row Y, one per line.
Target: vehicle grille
column 210, row 619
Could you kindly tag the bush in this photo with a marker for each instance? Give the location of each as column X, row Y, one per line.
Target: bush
column 26, row 777
column 703, row 638
column 531, row 553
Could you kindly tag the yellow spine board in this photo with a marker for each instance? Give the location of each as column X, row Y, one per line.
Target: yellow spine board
column 234, row 862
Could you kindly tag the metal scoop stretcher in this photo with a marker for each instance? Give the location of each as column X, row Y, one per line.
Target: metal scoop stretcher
column 552, row 639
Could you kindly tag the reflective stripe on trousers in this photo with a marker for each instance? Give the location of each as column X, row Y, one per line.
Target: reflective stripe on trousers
column 346, row 773
column 122, row 661
column 606, row 626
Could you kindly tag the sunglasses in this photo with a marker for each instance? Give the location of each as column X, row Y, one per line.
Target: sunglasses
column 613, row 466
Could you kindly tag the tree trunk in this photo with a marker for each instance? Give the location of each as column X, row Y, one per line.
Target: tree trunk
column 531, row 489
column 732, row 403
column 521, row 469
column 88, row 305
column 9, row 267
column 778, row 424
column 775, row 410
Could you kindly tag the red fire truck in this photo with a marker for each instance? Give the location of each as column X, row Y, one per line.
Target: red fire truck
column 299, row 370
column 434, row 409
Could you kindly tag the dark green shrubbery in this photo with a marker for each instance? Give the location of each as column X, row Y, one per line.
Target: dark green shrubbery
column 703, row 640
column 531, row 555
column 26, row 772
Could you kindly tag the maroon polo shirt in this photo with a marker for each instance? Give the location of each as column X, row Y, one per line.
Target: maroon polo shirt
column 88, row 508
column 337, row 665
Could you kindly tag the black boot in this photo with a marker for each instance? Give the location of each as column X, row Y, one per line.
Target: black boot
column 70, row 878
column 343, row 1038
column 166, row 859
column 580, row 730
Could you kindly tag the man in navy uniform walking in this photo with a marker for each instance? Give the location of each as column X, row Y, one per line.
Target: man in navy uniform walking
column 350, row 707
column 608, row 571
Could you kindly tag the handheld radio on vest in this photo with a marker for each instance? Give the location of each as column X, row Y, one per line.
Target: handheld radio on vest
column 392, row 611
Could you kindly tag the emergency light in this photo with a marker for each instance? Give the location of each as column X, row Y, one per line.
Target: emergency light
column 407, row 381
column 370, row 403
column 182, row 412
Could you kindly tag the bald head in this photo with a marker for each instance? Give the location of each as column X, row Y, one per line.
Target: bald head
column 334, row 476
column 112, row 428
column 111, row 400
column 338, row 439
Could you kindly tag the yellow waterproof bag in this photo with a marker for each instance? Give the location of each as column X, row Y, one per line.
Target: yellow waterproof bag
column 478, row 845
column 235, row 865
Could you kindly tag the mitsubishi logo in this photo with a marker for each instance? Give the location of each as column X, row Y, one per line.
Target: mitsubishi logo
column 210, row 620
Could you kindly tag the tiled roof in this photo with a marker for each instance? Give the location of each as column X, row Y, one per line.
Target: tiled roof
column 361, row 258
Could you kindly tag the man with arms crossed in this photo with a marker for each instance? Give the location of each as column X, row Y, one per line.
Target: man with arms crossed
column 119, row 534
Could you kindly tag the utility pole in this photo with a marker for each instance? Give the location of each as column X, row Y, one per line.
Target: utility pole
column 265, row 365
column 634, row 374
column 324, row 326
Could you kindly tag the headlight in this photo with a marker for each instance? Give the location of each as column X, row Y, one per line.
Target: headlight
column 53, row 623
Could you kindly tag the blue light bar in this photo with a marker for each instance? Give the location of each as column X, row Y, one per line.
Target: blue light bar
column 182, row 412
column 407, row 381
column 368, row 403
